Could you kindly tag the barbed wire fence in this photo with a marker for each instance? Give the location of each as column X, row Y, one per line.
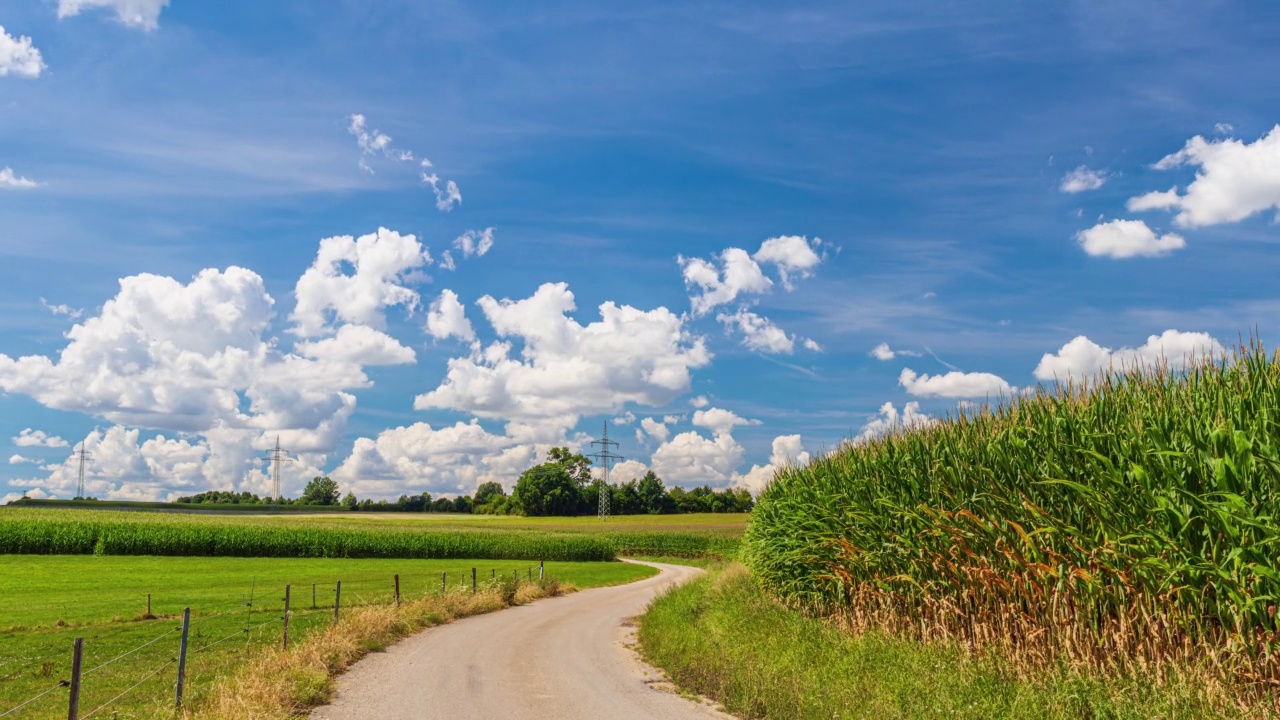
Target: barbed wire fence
column 176, row 652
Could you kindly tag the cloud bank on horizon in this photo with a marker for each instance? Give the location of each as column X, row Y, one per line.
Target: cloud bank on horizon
column 214, row 236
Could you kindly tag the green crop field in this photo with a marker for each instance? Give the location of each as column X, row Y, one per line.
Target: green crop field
column 39, row 530
column 1128, row 526
column 46, row 601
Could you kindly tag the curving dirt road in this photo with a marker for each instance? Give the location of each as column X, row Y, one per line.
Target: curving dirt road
column 563, row 658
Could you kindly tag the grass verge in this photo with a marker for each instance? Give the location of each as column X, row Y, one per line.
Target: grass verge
column 723, row 637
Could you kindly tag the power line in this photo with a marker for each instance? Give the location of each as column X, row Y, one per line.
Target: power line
column 605, row 457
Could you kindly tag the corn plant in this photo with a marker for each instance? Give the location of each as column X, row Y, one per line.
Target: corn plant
column 1128, row 524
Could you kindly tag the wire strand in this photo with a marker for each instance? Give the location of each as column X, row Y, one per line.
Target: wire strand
column 237, row 632
column 16, row 708
column 153, row 673
column 130, row 652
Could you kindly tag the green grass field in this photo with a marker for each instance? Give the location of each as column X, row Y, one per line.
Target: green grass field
column 47, row 600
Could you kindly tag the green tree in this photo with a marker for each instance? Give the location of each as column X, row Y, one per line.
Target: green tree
column 350, row 502
column 626, row 500
column 555, row 486
column 321, row 491
column 653, row 496
column 488, row 490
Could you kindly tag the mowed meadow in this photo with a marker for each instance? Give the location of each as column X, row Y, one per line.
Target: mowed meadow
column 1122, row 528
column 121, row 580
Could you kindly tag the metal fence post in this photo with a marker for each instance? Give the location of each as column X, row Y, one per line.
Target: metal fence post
column 443, row 585
column 313, row 596
column 77, row 656
column 540, row 562
column 337, row 600
column 515, row 575
column 149, row 615
column 397, row 590
column 286, row 617
column 182, row 656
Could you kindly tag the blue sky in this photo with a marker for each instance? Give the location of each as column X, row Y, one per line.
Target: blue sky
column 970, row 186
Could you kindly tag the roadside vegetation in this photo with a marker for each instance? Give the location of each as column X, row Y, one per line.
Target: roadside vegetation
column 725, row 637
column 237, row 607
column 1123, row 529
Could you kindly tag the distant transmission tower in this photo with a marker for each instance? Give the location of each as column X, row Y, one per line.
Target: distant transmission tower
column 276, row 457
column 83, row 456
column 605, row 457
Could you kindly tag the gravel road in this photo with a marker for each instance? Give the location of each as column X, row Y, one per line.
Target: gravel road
column 563, row 658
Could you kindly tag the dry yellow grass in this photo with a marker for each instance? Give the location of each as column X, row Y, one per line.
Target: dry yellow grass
column 279, row 683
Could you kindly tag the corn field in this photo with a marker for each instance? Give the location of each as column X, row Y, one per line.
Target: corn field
column 1123, row 525
column 23, row 534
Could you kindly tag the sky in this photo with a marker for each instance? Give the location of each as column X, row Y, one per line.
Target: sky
column 420, row 243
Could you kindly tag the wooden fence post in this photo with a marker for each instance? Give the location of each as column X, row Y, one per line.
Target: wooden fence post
column 443, row 585
column 286, row 617
column 473, row 581
column 313, row 596
column 77, row 657
column 182, row 656
column 397, row 590
column 149, row 615
column 337, row 600
column 540, row 563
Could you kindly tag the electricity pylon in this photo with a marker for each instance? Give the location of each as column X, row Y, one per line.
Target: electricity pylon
column 276, row 457
column 80, row 483
column 605, row 457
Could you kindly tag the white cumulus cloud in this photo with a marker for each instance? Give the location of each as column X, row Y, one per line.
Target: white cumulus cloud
column 954, row 384
column 793, row 255
column 20, row 460
column 1122, row 239
column 1082, row 179
column 474, row 242
column 1154, row 200
column 1083, row 358
column 447, row 318
column 735, row 272
column 19, row 57
column 692, row 459
column 11, row 181
column 359, row 345
column 1234, row 179
column 37, row 438
column 566, row 369
column 654, row 429
column 720, row 421
column 144, row 14
column 758, row 333
column 888, row 420
column 447, row 195
column 788, row 450
column 382, row 264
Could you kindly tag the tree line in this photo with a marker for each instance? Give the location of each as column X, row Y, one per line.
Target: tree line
column 562, row 485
